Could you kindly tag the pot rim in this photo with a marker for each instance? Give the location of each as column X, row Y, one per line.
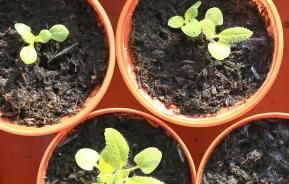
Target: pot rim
column 151, row 120
column 222, row 117
column 93, row 99
column 229, row 130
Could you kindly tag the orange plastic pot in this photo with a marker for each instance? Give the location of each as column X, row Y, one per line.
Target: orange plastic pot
column 90, row 103
column 226, row 132
column 126, row 64
column 151, row 119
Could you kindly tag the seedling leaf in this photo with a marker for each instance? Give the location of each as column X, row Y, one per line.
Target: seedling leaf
column 235, row 35
column 219, row 50
column 104, row 167
column 28, row 54
column 44, row 36
column 22, row 28
column 116, row 150
column 148, row 160
column 104, row 179
column 192, row 29
column 143, row 180
column 121, row 176
column 208, row 28
column 192, row 12
column 59, row 33
column 215, row 15
column 176, row 22
column 86, row 159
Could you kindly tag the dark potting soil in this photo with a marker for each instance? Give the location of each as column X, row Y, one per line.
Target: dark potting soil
column 62, row 168
column 40, row 94
column 254, row 154
column 179, row 71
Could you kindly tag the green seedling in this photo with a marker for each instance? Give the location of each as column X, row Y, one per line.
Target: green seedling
column 220, row 44
column 112, row 162
column 28, row 54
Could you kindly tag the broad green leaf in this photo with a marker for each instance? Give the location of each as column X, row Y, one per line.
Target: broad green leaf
column 235, row 35
column 176, row 22
column 28, row 54
column 215, row 15
column 25, row 32
column 143, row 180
column 86, row 159
column 116, row 150
column 219, row 50
column 208, row 28
column 104, row 167
column 192, row 29
column 148, row 160
column 105, row 178
column 28, row 37
column 121, row 176
column 192, row 12
column 59, row 33
column 44, row 36
column 22, row 28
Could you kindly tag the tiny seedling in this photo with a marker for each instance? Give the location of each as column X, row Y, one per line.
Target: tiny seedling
column 220, row 44
column 28, row 54
column 112, row 162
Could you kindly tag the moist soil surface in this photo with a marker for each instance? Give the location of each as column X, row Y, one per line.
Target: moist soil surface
column 254, row 154
column 179, row 71
column 65, row 73
column 62, row 168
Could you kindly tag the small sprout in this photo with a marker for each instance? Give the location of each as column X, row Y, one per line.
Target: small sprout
column 28, row 54
column 189, row 25
column 112, row 162
column 220, row 44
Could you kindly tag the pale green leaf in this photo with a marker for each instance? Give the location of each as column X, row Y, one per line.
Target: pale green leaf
column 143, row 180
column 192, row 29
column 192, row 12
column 105, row 178
column 28, row 37
column 148, row 160
column 44, row 36
column 121, row 176
column 22, row 28
column 116, row 150
column 219, row 50
column 208, row 28
column 235, row 35
column 86, row 158
column 104, row 167
column 25, row 32
column 215, row 15
column 59, row 33
column 28, row 54
column 176, row 22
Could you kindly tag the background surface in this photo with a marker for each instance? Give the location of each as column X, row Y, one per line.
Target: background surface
column 20, row 156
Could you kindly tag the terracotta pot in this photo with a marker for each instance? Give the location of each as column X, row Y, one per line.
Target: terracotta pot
column 90, row 103
column 151, row 119
column 226, row 132
column 126, row 65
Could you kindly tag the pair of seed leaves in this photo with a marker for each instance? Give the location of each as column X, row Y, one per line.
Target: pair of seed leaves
column 112, row 161
column 28, row 54
column 219, row 49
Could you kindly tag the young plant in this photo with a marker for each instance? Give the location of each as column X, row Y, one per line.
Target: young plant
column 28, row 54
column 112, row 162
column 220, row 44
